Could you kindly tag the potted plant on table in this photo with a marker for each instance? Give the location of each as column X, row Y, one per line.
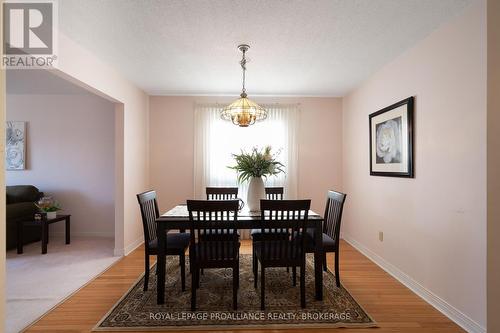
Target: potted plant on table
column 48, row 206
column 252, row 166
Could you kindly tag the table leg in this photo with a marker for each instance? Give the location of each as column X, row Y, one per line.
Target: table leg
column 318, row 261
column 47, row 233
column 44, row 236
column 20, row 226
column 161, row 261
column 68, row 240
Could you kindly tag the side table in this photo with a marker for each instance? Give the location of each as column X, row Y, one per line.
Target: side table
column 44, row 223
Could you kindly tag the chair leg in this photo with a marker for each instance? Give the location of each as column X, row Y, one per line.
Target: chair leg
column 294, row 275
column 190, row 263
column 325, row 267
column 238, row 275
column 235, row 287
column 194, row 283
column 254, row 258
column 198, row 277
column 303, row 285
column 337, row 272
column 182, row 263
column 255, row 274
column 262, row 288
column 288, row 269
column 146, row 272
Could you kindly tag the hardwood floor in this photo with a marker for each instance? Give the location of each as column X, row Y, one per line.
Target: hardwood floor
column 393, row 306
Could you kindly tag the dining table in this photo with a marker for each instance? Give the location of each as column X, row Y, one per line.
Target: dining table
column 177, row 218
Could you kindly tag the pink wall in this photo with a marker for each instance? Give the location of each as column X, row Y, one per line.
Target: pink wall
column 172, row 140
column 2, row 194
column 70, row 155
column 131, row 134
column 434, row 225
column 493, row 165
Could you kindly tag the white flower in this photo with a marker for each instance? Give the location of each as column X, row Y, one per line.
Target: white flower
column 388, row 142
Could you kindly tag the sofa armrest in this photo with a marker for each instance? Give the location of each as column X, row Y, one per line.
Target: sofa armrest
column 22, row 193
column 20, row 211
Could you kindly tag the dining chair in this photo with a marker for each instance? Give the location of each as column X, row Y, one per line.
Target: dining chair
column 282, row 249
column 222, row 193
column 331, row 230
column 274, row 193
column 177, row 243
column 213, row 252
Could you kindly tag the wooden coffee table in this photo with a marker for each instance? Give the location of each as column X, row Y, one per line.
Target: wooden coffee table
column 44, row 223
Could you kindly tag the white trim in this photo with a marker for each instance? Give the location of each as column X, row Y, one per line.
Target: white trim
column 118, row 252
column 441, row 305
column 99, row 234
column 235, row 95
column 129, row 248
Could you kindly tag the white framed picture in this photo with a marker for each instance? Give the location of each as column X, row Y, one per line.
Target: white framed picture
column 15, row 145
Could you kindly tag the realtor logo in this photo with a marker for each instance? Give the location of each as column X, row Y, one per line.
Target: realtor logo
column 29, row 34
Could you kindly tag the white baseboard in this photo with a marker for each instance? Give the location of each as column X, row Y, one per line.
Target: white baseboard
column 85, row 234
column 129, row 248
column 441, row 305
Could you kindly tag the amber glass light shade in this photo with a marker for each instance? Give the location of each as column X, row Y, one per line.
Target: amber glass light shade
column 243, row 112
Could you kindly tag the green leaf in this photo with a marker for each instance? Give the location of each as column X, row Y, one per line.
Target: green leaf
column 256, row 163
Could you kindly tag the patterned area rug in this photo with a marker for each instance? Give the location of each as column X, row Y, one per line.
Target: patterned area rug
column 137, row 310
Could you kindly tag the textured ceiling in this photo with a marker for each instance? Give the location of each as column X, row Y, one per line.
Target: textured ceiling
column 315, row 48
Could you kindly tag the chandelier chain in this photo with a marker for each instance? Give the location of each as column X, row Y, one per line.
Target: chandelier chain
column 243, row 64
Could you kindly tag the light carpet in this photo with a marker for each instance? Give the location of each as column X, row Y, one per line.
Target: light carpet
column 36, row 282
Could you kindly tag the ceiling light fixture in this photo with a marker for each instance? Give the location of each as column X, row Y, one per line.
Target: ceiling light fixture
column 243, row 112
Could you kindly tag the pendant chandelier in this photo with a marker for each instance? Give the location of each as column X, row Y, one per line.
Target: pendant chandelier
column 243, row 112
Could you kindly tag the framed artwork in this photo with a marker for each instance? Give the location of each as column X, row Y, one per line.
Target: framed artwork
column 391, row 140
column 15, row 145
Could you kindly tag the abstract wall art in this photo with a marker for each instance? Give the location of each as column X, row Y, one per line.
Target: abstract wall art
column 15, row 145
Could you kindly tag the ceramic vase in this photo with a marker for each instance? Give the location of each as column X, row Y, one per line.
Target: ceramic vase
column 51, row 215
column 256, row 191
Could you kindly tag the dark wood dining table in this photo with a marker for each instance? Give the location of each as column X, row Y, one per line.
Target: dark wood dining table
column 178, row 219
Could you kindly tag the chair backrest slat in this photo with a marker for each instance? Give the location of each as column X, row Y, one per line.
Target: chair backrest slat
column 333, row 214
column 149, row 213
column 213, row 229
column 222, row 193
column 274, row 193
column 287, row 220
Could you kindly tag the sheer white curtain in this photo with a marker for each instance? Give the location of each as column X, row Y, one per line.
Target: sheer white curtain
column 216, row 140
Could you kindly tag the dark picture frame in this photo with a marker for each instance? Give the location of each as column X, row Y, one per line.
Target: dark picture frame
column 391, row 140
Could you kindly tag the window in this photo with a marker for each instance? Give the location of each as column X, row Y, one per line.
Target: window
column 216, row 140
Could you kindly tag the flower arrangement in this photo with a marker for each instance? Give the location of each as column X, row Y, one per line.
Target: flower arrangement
column 256, row 163
column 47, row 205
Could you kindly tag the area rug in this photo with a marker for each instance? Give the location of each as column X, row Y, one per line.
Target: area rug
column 137, row 310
